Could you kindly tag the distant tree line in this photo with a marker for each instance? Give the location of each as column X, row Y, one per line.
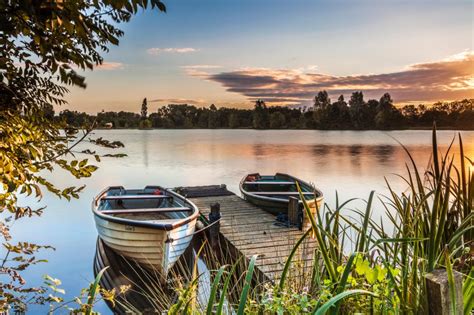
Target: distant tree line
column 356, row 114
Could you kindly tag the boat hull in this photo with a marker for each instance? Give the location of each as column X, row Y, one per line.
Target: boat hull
column 271, row 203
column 155, row 249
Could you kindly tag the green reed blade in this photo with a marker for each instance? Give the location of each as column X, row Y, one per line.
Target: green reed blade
column 452, row 289
column 468, row 292
column 435, row 152
column 225, row 287
column 317, row 232
column 93, row 291
column 214, row 289
column 184, row 297
column 332, row 301
column 248, row 282
column 343, row 281
column 365, row 225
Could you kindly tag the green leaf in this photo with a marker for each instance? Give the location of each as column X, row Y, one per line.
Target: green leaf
column 248, row 281
column 362, row 266
column 83, row 163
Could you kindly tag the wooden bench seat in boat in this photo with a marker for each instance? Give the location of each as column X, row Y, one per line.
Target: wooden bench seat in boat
column 123, row 211
column 280, row 193
column 270, row 183
column 135, row 197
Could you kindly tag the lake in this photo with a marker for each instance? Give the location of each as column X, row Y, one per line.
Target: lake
column 350, row 162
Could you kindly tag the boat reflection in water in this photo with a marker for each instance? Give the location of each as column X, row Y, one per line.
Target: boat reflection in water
column 147, row 292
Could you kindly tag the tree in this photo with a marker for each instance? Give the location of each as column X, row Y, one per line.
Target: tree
column 277, row 120
column 144, row 123
column 43, row 42
column 212, row 118
column 260, row 119
column 144, row 111
column 334, row 116
column 234, row 121
column 321, row 101
column 338, row 115
column 359, row 111
column 387, row 117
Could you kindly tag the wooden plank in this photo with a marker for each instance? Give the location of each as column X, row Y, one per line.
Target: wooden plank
column 278, row 267
column 280, row 245
column 265, row 238
column 271, row 233
column 230, row 222
column 278, row 252
column 262, row 228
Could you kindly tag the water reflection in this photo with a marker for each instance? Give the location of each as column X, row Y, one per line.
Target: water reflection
column 351, row 163
column 258, row 150
column 141, row 297
column 148, row 292
column 321, row 150
column 384, row 153
column 355, row 152
column 145, row 149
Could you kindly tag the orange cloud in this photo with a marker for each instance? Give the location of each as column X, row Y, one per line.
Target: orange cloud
column 451, row 78
column 177, row 101
column 157, row 51
column 199, row 70
column 109, row 66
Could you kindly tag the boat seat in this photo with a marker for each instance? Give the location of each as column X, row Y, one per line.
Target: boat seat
column 282, row 193
column 137, row 197
column 125, row 211
column 270, row 183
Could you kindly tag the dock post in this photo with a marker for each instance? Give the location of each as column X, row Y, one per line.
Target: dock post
column 214, row 230
column 438, row 293
column 293, row 209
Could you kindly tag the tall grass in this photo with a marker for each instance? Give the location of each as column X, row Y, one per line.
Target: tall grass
column 431, row 226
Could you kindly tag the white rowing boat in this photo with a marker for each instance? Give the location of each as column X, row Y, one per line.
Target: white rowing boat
column 152, row 226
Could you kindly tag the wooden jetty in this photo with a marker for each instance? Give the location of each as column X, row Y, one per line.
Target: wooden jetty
column 246, row 230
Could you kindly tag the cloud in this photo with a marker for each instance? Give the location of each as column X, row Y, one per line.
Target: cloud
column 156, row 51
column 177, row 101
column 201, row 67
column 107, row 66
column 450, row 78
column 199, row 70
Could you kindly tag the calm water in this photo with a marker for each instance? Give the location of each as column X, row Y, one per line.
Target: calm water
column 353, row 163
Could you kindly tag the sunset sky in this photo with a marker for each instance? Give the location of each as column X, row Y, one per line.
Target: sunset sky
column 231, row 52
